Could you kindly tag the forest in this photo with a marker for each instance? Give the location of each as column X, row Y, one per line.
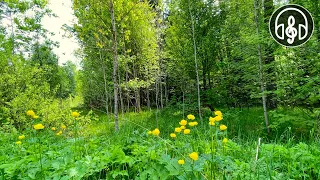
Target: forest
column 165, row 89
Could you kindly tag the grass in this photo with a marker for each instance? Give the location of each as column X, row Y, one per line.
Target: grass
column 95, row 151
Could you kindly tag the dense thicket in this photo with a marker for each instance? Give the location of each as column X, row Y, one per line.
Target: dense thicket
column 30, row 77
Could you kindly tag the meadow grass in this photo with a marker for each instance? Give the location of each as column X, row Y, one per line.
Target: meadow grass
column 93, row 150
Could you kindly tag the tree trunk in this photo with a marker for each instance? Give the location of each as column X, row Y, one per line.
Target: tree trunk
column 148, row 98
column 196, row 61
column 264, row 103
column 269, row 58
column 115, row 65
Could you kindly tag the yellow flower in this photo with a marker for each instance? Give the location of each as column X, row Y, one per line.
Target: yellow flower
column 173, row 135
column 194, row 156
column 21, row 137
column 218, row 113
column 218, row 118
column 63, row 126
column 177, row 129
column 183, row 122
column 35, row 117
column 186, row 131
column 18, row 142
column 38, row 126
column 223, row 127
column 149, row 132
column 211, row 119
column 75, row 114
column 191, row 117
column 193, row 123
column 181, row 161
column 182, row 127
column 31, row 113
column 156, row 132
column 225, row 140
column 53, row 129
column 59, row 133
column 212, row 123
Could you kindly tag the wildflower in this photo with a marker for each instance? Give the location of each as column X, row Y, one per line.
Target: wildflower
column 218, row 113
column 194, row 156
column 218, row 118
column 182, row 127
column 191, row 117
column 156, row 132
column 21, row 137
column 183, row 122
column 173, row 135
column 18, row 142
column 35, row 117
column 186, row 131
column 211, row 119
column 223, row 127
column 31, row 113
column 59, row 133
column 177, row 129
column 193, row 123
column 181, row 161
column 212, row 123
column 149, row 132
column 225, row 140
column 75, row 114
column 53, row 129
column 63, row 126
column 38, row 126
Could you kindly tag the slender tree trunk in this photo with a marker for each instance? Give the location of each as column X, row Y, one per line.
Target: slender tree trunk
column 157, row 103
column 105, row 88
column 115, row 65
column 148, row 98
column 161, row 94
column 120, row 94
column 166, row 90
column 264, row 100
column 196, row 61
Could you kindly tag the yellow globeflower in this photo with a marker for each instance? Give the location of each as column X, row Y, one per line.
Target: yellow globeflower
column 35, row 117
column 191, row 124
column 182, row 127
column 75, row 114
column 183, row 122
column 149, row 132
column 195, row 123
column 38, row 126
column 211, row 119
column 53, row 129
column 21, row 137
column 177, row 129
column 31, row 113
column 63, row 126
column 181, row 161
column 191, row 117
column 218, row 113
column 225, row 140
column 223, row 127
column 212, row 123
column 59, row 133
column 218, row 118
column 186, row 131
column 18, row 142
column 156, row 132
column 173, row 135
column 194, row 156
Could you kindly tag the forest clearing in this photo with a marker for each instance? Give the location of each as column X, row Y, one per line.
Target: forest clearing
column 159, row 89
